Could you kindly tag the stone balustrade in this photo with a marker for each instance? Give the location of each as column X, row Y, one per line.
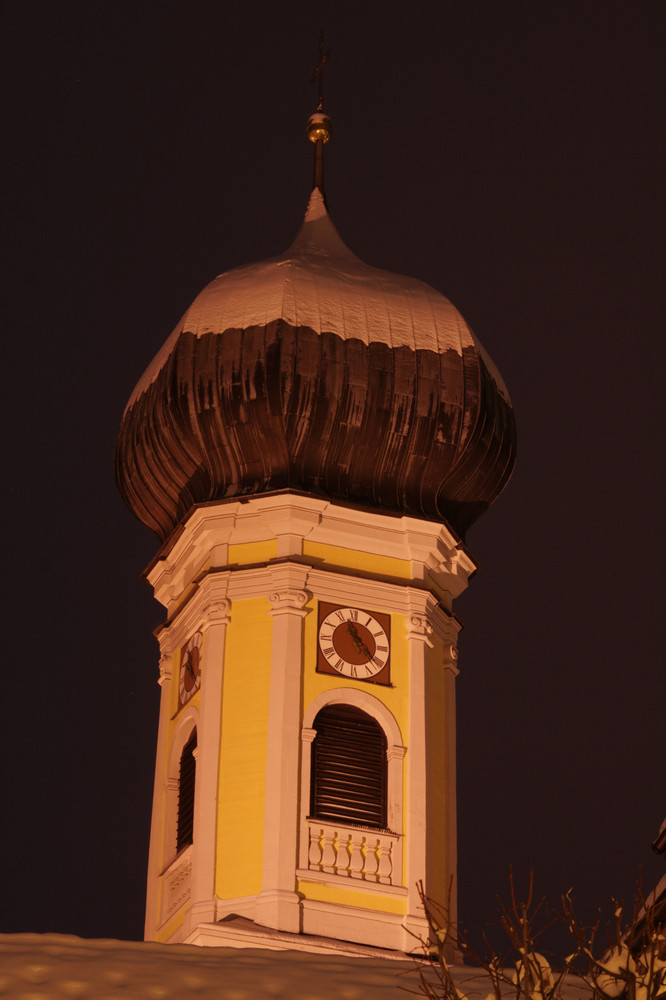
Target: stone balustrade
column 176, row 884
column 354, row 852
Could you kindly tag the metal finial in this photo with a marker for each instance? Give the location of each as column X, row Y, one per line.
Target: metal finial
column 318, row 73
column 319, row 124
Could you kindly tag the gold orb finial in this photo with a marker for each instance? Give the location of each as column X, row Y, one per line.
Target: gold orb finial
column 319, row 127
column 319, row 124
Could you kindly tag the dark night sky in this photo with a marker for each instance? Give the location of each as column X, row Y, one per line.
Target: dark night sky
column 508, row 153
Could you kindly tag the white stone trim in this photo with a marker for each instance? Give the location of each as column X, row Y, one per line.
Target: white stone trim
column 420, row 629
column 215, row 591
column 157, row 826
column 238, row 934
column 338, row 882
column 367, row 702
column 176, row 885
column 208, row 603
column 164, row 669
column 373, row 927
column 288, row 602
column 347, row 855
column 434, row 555
column 424, row 621
column 216, row 608
column 278, row 903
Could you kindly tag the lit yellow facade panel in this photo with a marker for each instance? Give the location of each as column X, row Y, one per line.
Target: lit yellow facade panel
column 242, row 780
column 252, row 553
column 371, row 564
column 351, row 897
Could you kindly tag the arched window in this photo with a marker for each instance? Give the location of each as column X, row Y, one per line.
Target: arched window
column 349, row 768
column 186, row 781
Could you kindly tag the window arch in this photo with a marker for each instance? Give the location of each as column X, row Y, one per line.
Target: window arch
column 175, row 828
column 310, row 853
column 186, row 782
column 348, row 767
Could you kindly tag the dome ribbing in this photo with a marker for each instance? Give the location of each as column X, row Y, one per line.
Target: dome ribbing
column 315, row 372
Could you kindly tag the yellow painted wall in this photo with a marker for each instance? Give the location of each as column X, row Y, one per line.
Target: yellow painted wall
column 370, row 563
column 250, row 553
column 243, row 749
column 351, row 897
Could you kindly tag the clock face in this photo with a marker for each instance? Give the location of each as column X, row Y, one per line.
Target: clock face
column 354, row 643
column 190, row 668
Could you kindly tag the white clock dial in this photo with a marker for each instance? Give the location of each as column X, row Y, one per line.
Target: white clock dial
column 353, row 643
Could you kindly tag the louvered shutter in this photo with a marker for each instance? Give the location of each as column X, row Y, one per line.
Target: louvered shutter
column 186, row 779
column 348, row 768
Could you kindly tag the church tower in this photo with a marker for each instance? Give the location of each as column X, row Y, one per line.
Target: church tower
column 310, row 445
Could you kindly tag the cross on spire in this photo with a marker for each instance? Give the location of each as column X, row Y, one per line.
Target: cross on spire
column 318, row 73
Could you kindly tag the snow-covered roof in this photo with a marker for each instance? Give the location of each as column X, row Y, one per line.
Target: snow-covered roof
column 319, row 283
column 57, row 967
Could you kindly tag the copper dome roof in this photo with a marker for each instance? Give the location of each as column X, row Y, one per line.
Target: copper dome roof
column 315, row 372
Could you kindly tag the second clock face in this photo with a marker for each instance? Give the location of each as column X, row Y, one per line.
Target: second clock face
column 190, row 668
column 353, row 643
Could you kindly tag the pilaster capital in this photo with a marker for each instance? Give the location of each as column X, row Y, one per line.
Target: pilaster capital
column 217, row 612
column 290, row 602
column 450, row 661
column 419, row 629
column 212, row 600
column 165, row 669
column 308, row 735
column 396, row 752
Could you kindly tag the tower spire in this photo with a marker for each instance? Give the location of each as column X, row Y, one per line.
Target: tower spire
column 319, row 124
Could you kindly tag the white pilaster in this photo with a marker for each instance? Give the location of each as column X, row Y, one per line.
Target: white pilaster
column 215, row 607
column 156, row 848
column 419, row 630
column 278, row 903
column 451, row 846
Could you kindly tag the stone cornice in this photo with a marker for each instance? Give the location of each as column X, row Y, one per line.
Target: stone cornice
column 431, row 553
column 288, row 586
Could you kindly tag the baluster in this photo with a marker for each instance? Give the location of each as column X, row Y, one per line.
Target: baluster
column 371, row 859
column 342, row 860
column 328, row 852
column 385, row 868
column 314, row 856
column 356, row 859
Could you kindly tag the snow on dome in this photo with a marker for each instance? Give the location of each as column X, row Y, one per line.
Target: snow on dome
column 319, row 283
column 317, row 372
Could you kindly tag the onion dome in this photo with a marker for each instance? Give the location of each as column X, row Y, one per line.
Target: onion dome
column 316, row 373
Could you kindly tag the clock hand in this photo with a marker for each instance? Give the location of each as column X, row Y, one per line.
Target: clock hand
column 359, row 645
